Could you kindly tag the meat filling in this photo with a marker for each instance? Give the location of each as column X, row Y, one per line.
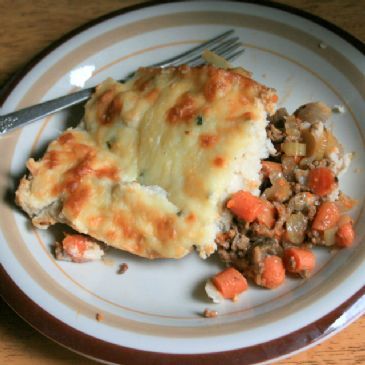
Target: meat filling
column 300, row 205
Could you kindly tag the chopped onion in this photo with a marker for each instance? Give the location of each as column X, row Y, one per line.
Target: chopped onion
column 315, row 146
column 344, row 219
column 215, row 60
column 332, row 144
column 213, row 292
column 295, row 227
column 275, row 175
column 293, row 148
column 345, row 203
column 242, row 71
column 329, row 236
column 292, row 127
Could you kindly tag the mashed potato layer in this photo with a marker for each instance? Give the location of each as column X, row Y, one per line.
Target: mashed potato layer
column 155, row 160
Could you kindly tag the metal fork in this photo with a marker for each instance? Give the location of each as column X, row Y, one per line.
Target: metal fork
column 228, row 48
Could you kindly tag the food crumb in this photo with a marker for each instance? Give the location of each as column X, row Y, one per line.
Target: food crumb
column 210, row 313
column 99, row 317
column 122, row 268
column 235, row 299
column 338, row 108
column 322, row 45
column 107, row 261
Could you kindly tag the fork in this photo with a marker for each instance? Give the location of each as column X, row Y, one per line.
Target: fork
column 228, row 48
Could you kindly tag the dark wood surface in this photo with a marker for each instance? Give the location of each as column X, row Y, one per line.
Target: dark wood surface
column 27, row 27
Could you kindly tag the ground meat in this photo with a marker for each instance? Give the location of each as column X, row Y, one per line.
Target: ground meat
column 298, row 187
column 262, row 230
column 278, row 118
column 232, row 244
column 233, row 256
column 122, row 268
column 243, row 251
column 99, row 317
column 242, row 264
column 262, row 247
column 283, row 215
column 292, row 204
column 276, row 135
column 312, row 210
column 325, row 162
column 240, row 242
column 315, row 238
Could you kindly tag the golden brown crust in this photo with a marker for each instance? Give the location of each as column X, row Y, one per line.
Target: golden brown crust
column 148, row 173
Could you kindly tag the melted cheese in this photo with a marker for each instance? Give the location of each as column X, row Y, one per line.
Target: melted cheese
column 150, row 172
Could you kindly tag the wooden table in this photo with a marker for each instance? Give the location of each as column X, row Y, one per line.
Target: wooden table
column 26, row 27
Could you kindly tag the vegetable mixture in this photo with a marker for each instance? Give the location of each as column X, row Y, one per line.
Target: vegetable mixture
column 300, row 205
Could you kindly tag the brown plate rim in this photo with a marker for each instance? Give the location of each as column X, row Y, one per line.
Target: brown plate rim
column 90, row 346
column 95, row 348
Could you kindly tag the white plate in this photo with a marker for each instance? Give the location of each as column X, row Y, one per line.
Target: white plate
column 153, row 311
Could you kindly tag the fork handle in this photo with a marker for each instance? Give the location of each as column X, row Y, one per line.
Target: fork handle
column 25, row 116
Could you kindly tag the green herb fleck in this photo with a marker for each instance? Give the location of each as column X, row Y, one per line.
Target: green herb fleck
column 199, row 120
column 179, row 213
column 141, row 174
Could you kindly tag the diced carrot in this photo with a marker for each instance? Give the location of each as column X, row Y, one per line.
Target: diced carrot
column 321, row 181
column 299, row 260
column 245, row 205
column 267, row 167
column 273, row 274
column 75, row 244
column 327, row 216
column 267, row 214
column 230, row 283
column 345, row 235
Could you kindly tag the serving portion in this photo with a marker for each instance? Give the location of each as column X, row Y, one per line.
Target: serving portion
column 151, row 165
column 175, row 158
column 154, row 310
column 300, row 205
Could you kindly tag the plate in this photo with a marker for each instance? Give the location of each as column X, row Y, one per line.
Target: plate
column 153, row 313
